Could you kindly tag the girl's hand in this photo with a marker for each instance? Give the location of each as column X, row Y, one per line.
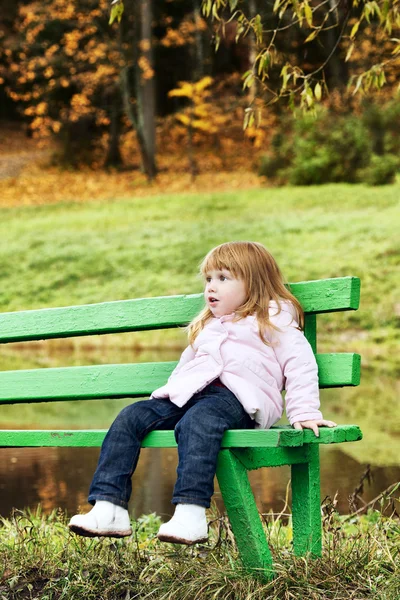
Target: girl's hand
column 313, row 425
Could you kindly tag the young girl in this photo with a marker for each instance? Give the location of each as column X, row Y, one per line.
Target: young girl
column 244, row 347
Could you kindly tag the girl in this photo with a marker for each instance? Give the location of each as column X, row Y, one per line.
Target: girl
column 244, row 347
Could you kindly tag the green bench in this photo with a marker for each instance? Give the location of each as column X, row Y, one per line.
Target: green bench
column 241, row 450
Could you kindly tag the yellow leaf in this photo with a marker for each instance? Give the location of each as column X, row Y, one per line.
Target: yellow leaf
column 354, row 29
column 308, row 14
column 203, row 83
column 312, row 35
column 183, row 119
column 186, row 91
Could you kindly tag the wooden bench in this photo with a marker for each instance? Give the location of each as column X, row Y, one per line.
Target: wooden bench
column 241, row 450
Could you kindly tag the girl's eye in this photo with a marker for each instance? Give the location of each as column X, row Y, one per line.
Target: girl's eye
column 222, row 277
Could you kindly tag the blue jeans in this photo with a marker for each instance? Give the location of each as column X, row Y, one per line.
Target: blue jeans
column 199, row 427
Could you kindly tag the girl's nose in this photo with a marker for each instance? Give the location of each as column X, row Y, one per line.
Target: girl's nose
column 211, row 286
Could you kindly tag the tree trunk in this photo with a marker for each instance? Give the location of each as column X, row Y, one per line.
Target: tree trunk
column 336, row 68
column 252, row 52
column 146, row 97
column 198, row 58
column 114, row 158
column 134, row 112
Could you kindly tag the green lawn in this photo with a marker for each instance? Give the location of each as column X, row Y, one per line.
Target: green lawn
column 54, row 255
column 82, row 253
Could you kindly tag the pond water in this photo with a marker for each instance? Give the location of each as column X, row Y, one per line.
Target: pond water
column 60, row 477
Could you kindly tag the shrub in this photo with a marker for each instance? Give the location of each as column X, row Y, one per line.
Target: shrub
column 382, row 169
column 331, row 148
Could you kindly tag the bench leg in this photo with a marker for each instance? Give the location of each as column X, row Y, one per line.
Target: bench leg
column 243, row 515
column 306, row 505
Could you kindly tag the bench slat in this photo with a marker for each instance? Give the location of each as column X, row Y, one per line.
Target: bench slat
column 326, row 295
column 270, row 438
column 134, row 380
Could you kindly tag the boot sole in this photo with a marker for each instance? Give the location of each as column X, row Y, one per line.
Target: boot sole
column 177, row 540
column 90, row 533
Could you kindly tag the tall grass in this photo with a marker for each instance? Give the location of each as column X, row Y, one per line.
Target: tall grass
column 39, row 558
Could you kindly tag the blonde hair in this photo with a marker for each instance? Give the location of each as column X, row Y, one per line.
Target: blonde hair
column 252, row 263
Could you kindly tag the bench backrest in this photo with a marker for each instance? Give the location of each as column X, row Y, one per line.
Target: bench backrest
column 136, row 380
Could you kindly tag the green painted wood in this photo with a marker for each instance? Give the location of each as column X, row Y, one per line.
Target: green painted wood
column 243, row 516
column 156, row 313
column 306, row 505
column 133, row 380
column 257, row 458
column 83, row 383
column 106, row 317
column 338, row 369
column 277, row 437
column 328, row 295
column 310, row 330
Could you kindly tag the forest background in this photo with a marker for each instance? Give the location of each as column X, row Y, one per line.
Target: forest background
column 169, row 86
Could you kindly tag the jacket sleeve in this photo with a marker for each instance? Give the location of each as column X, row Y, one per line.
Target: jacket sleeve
column 299, row 367
column 187, row 355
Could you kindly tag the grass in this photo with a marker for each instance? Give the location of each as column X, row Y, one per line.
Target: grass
column 39, row 558
column 73, row 253
column 55, row 255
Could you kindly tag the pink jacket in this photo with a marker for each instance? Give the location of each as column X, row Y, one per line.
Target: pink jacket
column 254, row 372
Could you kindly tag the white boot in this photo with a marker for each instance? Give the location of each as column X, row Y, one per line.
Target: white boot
column 105, row 519
column 187, row 526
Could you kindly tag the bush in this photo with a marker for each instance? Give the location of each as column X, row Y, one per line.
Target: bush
column 381, row 170
column 330, row 148
column 383, row 124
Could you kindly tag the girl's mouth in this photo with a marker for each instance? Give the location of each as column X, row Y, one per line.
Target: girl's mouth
column 212, row 300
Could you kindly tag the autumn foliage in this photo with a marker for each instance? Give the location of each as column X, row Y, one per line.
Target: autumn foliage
column 206, row 79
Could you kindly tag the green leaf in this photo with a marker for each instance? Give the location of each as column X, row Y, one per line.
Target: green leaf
column 117, row 10
column 206, row 8
column 308, row 13
column 349, row 52
column 233, row 4
column 381, row 79
column 249, row 80
column 358, row 84
column 214, row 12
column 318, row 91
column 277, row 4
column 285, row 76
column 258, row 28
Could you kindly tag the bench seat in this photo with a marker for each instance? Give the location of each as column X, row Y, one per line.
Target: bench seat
column 276, row 437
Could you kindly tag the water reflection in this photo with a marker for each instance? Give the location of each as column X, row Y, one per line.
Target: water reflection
column 59, row 477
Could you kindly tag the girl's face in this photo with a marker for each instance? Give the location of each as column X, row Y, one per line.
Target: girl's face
column 223, row 293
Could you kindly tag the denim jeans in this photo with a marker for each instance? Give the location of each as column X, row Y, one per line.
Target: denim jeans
column 199, row 426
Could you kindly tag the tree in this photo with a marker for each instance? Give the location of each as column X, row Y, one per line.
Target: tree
column 73, row 76
column 62, row 68
column 334, row 26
